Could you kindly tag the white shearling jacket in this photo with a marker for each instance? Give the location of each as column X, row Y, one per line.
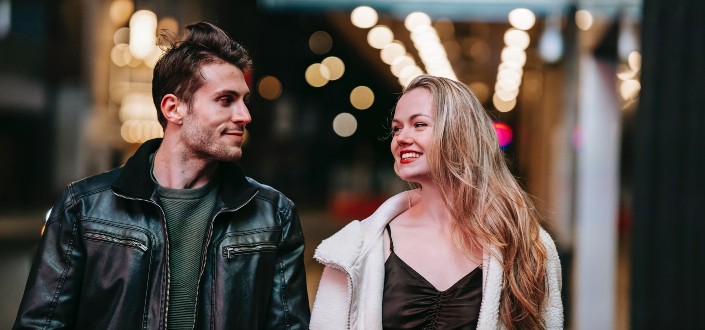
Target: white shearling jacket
column 350, row 292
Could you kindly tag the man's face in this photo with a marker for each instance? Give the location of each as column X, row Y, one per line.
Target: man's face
column 213, row 128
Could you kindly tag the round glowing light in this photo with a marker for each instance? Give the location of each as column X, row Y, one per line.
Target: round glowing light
column 317, row 75
column 512, row 54
column 502, row 105
column 517, row 38
column 364, row 17
column 522, row 18
column 583, row 19
column 416, row 20
column 629, row 89
column 400, row 63
column 507, row 94
column 504, row 134
column 634, row 60
column 391, row 51
column 379, row 36
column 509, row 74
column 143, row 33
column 335, row 66
column 320, row 42
column 121, row 36
column 269, row 87
column 344, row 124
column 120, row 55
column 120, row 11
column 362, row 97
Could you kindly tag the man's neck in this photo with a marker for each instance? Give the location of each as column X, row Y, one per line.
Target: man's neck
column 176, row 170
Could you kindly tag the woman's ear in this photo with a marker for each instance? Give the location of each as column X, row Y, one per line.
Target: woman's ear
column 170, row 109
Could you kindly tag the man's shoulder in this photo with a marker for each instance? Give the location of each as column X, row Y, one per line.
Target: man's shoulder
column 268, row 192
column 95, row 183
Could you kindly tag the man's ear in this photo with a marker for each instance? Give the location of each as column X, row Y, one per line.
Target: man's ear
column 171, row 109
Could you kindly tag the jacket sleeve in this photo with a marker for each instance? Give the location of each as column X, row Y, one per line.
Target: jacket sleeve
column 51, row 296
column 289, row 308
column 333, row 299
column 553, row 308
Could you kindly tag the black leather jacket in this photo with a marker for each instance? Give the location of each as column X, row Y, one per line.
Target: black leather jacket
column 103, row 260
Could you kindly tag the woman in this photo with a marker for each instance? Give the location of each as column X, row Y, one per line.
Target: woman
column 463, row 251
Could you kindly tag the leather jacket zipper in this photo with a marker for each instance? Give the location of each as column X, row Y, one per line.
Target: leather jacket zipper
column 166, row 240
column 205, row 250
column 229, row 251
column 116, row 240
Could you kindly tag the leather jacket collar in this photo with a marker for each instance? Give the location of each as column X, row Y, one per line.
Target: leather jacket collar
column 135, row 180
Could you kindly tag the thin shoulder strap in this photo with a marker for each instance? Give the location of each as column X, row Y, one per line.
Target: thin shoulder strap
column 391, row 243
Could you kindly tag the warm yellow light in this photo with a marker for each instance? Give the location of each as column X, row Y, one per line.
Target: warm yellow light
column 583, row 19
column 517, row 38
column 269, row 87
column 364, row 17
column 121, row 36
column 513, row 54
column 120, row 11
column 335, row 66
column 522, row 18
column 625, row 72
column 143, row 32
column 379, row 36
column 120, row 55
column 629, row 89
column 634, row 60
column 400, row 63
column 416, row 20
column 503, row 106
column 362, row 97
column 317, row 75
column 320, row 42
column 344, row 124
column 506, row 94
column 391, row 51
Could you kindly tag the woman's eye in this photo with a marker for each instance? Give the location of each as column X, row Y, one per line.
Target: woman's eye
column 396, row 130
column 417, row 125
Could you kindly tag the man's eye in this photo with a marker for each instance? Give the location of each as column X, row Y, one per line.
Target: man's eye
column 225, row 100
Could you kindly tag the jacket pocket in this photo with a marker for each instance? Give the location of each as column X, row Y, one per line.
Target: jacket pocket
column 113, row 239
column 231, row 251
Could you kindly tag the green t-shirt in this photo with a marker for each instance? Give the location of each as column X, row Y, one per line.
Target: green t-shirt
column 188, row 213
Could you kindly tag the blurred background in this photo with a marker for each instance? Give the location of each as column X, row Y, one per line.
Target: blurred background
column 597, row 105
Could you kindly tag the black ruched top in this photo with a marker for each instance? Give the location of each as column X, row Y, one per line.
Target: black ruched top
column 411, row 302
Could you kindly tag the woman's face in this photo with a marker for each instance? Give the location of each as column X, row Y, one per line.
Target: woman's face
column 412, row 127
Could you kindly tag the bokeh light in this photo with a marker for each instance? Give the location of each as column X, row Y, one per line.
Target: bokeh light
column 335, row 66
column 269, row 87
column 522, row 18
column 364, row 17
column 344, row 124
column 583, row 19
column 504, row 134
column 362, row 97
column 379, row 36
column 320, row 42
column 317, row 75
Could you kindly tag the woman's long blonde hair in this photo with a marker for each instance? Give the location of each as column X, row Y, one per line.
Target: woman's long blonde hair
column 490, row 210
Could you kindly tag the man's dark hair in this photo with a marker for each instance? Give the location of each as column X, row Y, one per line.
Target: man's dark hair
column 178, row 71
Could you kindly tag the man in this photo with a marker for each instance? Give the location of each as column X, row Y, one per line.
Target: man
column 178, row 237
